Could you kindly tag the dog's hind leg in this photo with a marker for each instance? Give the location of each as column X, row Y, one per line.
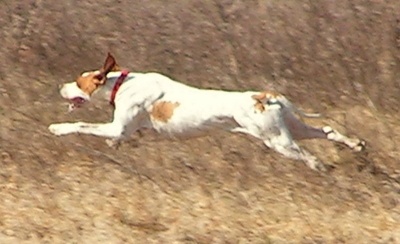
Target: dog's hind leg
column 301, row 131
column 288, row 148
column 272, row 130
column 293, row 151
column 355, row 144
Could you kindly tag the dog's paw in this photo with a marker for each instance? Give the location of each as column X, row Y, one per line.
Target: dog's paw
column 61, row 129
column 315, row 164
column 113, row 143
column 359, row 146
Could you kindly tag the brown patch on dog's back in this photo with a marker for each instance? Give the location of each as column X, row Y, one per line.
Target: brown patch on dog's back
column 163, row 111
column 265, row 95
column 262, row 97
column 259, row 106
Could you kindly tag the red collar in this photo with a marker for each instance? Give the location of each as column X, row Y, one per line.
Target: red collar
column 117, row 85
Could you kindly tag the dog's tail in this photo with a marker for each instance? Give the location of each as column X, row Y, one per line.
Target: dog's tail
column 287, row 104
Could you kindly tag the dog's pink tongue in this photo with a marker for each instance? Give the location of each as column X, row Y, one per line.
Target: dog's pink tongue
column 77, row 100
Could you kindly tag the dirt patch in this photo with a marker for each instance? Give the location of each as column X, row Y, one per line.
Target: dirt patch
column 336, row 57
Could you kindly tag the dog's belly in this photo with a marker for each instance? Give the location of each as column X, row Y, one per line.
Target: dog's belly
column 188, row 128
column 185, row 118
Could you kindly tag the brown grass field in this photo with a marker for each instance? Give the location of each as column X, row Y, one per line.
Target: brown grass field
column 340, row 58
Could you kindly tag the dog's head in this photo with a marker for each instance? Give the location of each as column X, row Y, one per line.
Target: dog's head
column 80, row 91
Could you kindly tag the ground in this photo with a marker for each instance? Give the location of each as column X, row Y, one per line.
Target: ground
column 341, row 58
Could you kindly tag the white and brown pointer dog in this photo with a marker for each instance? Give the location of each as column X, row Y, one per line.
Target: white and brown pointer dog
column 152, row 100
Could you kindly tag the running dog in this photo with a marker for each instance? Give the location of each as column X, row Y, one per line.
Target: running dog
column 152, row 100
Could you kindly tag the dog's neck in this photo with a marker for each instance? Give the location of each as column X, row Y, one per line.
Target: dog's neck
column 104, row 92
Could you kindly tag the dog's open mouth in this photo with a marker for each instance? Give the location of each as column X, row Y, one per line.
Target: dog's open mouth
column 75, row 102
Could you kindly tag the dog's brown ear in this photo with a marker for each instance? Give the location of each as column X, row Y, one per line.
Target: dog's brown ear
column 109, row 65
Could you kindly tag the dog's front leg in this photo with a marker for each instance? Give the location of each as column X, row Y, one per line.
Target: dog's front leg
column 111, row 130
column 114, row 130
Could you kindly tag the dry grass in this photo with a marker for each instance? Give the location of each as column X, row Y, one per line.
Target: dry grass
column 338, row 57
